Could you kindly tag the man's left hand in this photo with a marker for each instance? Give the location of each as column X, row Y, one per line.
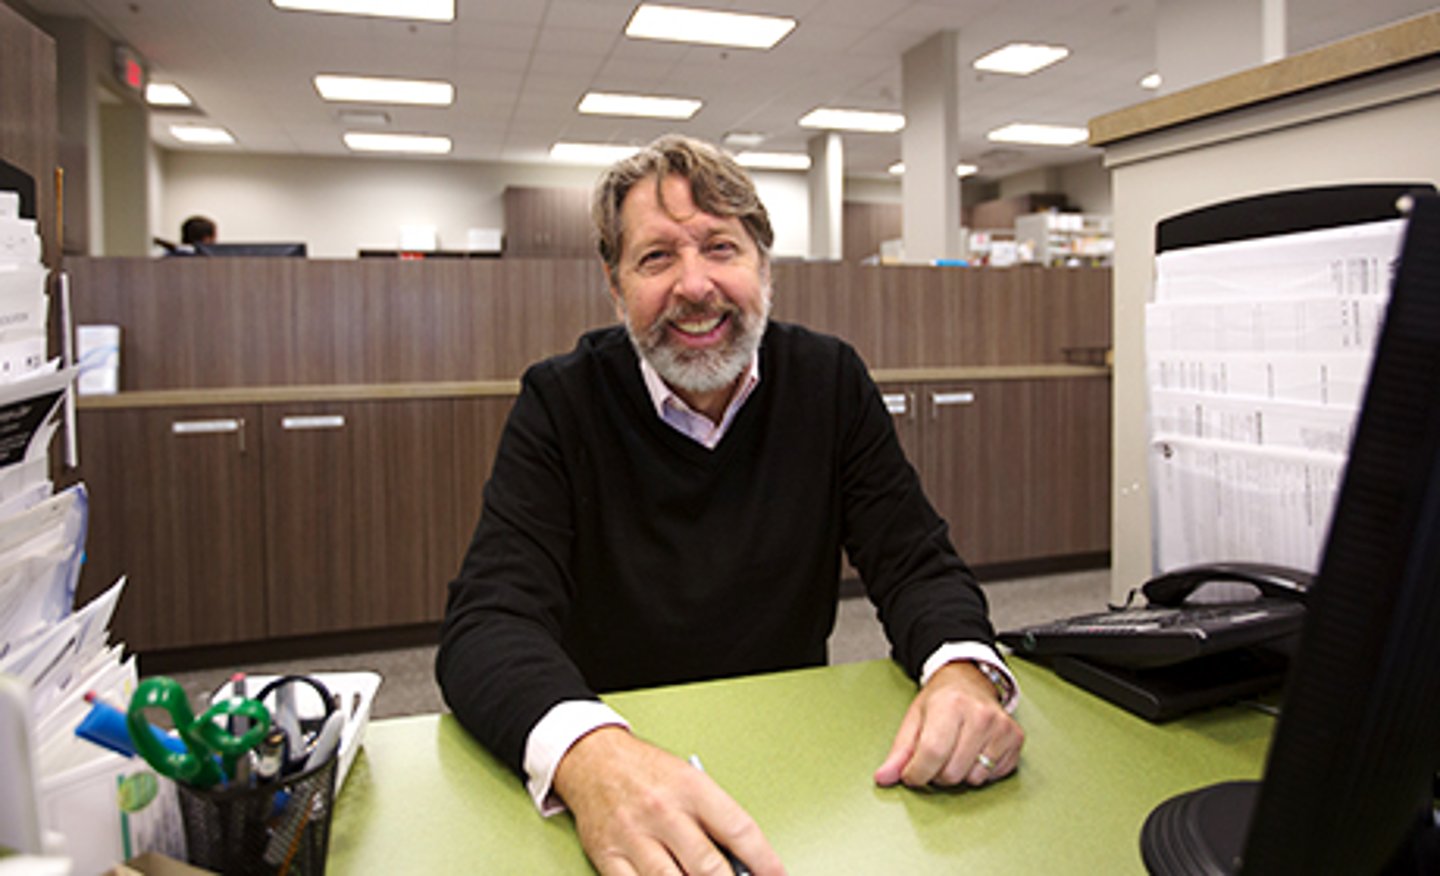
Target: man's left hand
column 955, row 732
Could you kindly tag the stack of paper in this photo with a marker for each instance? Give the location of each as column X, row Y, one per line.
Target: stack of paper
column 55, row 652
column 1257, row 353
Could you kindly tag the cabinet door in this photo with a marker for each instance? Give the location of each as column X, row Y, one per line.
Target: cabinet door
column 1070, row 501
column 973, row 464
column 175, row 504
column 1020, row 468
column 358, row 502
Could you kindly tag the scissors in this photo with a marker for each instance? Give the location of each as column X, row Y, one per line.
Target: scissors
column 204, row 737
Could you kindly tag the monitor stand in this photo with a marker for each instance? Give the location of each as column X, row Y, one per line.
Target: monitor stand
column 1199, row 832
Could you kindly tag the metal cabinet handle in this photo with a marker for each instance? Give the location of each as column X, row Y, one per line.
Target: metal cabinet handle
column 899, row 404
column 315, row 421
column 218, row 426
column 940, row 400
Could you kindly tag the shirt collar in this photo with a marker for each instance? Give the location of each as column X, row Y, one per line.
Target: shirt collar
column 674, row 412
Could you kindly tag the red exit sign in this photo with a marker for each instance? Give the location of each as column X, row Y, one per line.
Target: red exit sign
column 130, row 70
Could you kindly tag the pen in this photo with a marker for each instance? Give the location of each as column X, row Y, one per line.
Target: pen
column 238, row 725
column 327, row 741
column 735, row 863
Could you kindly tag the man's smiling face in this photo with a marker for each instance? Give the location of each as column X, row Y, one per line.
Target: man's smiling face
column 692, row 288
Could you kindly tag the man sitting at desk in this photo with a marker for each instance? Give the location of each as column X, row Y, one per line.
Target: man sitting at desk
column 668, row 503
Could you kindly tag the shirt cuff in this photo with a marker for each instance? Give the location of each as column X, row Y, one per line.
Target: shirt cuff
column 975, row 652
column 551, row 738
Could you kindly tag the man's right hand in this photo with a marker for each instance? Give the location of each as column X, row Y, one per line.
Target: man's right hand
column 642, row 810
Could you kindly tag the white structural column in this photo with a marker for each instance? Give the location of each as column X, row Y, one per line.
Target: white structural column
column 826, row 185
column 1198, row 42
column 930, row 148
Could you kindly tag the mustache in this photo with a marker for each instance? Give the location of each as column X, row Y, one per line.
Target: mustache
column 690, row 310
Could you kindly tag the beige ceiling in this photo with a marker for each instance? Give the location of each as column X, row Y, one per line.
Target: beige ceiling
column 520, row 67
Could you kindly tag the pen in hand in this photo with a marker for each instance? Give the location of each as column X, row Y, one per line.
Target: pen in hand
column 735, row 863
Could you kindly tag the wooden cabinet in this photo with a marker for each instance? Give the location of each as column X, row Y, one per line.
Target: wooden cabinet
column 175, row 504
column 548, row 222
column 358, row 504
column 270, row 520
column 1019, row 469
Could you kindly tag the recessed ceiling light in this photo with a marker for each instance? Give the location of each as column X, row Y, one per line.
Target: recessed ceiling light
column 1044, row 135
column 1020, row 59
column 737, row 140
column 774, row 160
column 422, row 10
column 372, row 118
column 166, row 94
column 382, row 89
column 852, row 120
column 961, row 170
column 679, row 24
column 591, row 153
column 427, row 144
column 1152, row 81
column 601, row 104
column 203, row 134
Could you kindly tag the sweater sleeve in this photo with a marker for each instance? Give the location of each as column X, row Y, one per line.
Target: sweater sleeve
column 925, row 594
column 500, row 664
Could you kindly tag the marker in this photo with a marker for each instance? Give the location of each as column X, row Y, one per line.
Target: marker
column 735, row 863
column 105, row 726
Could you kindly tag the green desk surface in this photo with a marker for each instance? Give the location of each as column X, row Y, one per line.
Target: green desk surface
column 797, row 750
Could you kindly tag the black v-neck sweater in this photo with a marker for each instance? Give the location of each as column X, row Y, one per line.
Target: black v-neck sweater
column 613, row 552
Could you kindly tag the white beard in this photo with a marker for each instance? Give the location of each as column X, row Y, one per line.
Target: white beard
column 701, row 371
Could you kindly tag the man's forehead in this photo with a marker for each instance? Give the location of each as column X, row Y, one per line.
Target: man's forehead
column 643, row 211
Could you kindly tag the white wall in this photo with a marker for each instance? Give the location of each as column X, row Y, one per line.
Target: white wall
column 338, row 206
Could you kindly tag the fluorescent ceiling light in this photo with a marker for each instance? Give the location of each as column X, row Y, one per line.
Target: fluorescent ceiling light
column 427, row 144
column 600, row 104
column 737, row 140
column 774, row 160
column 678, row 24
column 422, row 10
column 1020, row 59
column 1043, row 135
column 372, row 118
column 591, row 153
column 961, row 170
column 378, row 89
column 852, row 120
column 1151, row 81
column 205, row 134
column 166, row 94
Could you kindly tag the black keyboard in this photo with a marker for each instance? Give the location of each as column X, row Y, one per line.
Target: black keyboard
column 1156, row 636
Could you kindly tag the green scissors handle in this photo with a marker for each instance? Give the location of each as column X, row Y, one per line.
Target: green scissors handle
column 203, row 738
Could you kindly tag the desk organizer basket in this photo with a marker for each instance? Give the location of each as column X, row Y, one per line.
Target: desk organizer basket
column 274, row 829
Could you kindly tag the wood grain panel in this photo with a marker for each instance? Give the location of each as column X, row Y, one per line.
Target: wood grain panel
column 405, row 511
column 310, row 474
column 866, row 226
column 28, row 101
column 180, row 514
column 197, row 323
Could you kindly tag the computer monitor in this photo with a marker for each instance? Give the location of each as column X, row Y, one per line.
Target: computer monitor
column 271, row 250
column 1349, row 783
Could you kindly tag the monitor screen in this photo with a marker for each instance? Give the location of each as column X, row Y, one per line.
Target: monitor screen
column 251, row 249
column 1349, row 784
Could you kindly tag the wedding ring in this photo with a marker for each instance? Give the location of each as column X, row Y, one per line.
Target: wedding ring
column 984, row 760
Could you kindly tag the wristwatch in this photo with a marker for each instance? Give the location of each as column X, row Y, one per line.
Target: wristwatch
column 1003, row 688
